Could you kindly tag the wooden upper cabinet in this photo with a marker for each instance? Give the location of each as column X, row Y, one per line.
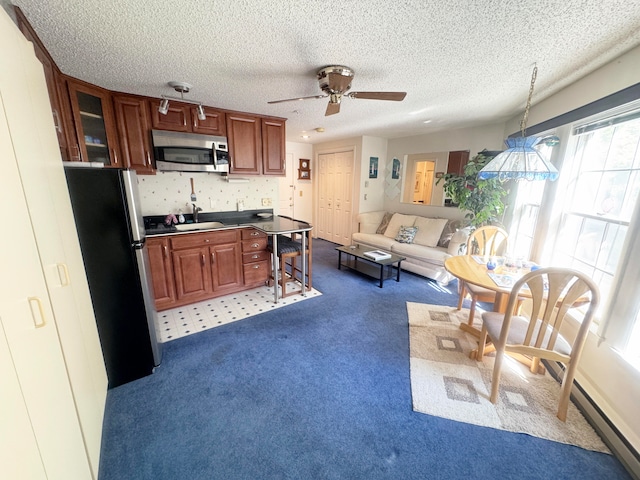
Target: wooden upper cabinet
column 177, row 118
column 52, row 78
column 244, row 136
column 213, row 124
column 457, row 161
column 134, row 125
column 273, row 146
column 95, row 124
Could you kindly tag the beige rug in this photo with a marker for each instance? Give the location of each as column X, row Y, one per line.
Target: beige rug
column 446, row 383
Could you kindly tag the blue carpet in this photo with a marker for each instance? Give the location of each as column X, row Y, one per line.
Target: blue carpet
column 316, row 390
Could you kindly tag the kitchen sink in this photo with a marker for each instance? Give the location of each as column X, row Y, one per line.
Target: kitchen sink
column 186, row 227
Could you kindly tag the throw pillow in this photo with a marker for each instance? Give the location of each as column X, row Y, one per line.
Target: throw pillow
column 429, row 230
column 396, row 222
column 406, row 234
column 447, row 232
column 384, row 223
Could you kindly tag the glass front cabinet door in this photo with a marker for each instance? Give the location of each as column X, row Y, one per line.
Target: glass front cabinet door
column 95, row 125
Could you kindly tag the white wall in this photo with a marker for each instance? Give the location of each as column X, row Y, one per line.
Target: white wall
column 372, row 188
column 303, row 199
column 474, row 139
column 169, row 192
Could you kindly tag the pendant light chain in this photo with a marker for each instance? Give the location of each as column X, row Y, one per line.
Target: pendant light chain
column 523, row 123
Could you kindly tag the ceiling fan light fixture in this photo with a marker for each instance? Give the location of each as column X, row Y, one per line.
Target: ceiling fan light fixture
column 163, row 108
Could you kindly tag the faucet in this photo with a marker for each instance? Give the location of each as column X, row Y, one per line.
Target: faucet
column 196, row 210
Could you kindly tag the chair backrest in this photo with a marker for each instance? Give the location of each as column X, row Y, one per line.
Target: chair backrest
column 487, row 241
column 553, row 292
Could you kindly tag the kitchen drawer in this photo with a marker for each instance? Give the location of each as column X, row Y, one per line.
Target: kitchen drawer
column 256, row 273
column 249, row 233
column 191, row 240
column 255, row 244
column 256, row 256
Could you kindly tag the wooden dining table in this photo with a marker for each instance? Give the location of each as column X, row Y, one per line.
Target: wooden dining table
column 467, row 269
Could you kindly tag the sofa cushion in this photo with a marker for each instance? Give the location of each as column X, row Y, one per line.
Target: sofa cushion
column 397, row 221
column 368, row 222
column 384, row 223
column 457, row 244
column 451, row 227
column 429, row 230
column 373, row 240
column 430, row 255
column 406, row 234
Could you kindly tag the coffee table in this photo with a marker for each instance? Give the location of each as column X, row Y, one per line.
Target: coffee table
column 379, row 269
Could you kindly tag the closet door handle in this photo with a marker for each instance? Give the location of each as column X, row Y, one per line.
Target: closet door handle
column 63, row 273
column 39, row 320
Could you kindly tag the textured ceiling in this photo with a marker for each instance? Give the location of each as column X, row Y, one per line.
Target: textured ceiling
column 461, row 62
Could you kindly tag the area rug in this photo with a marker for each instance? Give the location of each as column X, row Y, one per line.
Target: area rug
column 446, row 383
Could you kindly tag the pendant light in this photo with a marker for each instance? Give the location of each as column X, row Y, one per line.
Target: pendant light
column 521, row 160
column 182, row 88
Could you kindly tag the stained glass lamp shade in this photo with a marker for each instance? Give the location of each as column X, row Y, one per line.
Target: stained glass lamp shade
column 520, row 161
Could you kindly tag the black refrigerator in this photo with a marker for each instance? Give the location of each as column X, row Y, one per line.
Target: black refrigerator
column 111, row 231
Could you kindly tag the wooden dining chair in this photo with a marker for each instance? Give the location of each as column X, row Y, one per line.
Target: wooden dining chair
column 484, row 241
column 536, row 334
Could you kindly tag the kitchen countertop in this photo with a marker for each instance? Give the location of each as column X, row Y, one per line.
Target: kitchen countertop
column 154, row 225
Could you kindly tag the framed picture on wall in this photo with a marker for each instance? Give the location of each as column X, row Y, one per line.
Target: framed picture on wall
column 373, row 167
column 304, row 172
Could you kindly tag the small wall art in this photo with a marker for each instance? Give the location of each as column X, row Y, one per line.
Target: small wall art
column 395, row 169
column 373, row 167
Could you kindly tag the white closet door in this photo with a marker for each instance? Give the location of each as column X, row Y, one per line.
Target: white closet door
column 17, row 440
column 47, row 197
column 335, row 190
column 29, row 325
column 342, row 202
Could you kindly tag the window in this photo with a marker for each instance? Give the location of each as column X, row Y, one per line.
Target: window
column 589, row 219
column 600, row 181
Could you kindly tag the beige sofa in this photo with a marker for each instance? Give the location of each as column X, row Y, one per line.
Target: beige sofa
column 435, row 240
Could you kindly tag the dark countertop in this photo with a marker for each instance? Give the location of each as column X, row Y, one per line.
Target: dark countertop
column 154, row 225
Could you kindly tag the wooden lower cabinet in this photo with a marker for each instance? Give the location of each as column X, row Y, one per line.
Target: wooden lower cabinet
column 192, row 267
column 164, row 288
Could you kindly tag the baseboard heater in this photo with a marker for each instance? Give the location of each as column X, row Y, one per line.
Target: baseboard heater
column 611, row 436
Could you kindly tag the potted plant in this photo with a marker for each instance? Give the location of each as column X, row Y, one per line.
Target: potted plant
column 481, row 199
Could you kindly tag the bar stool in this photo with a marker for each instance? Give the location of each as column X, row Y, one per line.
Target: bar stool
column 288, row 252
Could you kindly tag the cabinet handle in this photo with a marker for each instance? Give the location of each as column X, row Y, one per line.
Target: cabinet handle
column 255, row 234
column 56, row 121
column 213, row 257
column 256, row 256
column 256, row 266
column 203, row 260
column 148, row 159
column 40, row 311
column 206, row 240
column 77, row 157
column 166, row 251
column 115, row 156
column 255, row 245
column 63, row 273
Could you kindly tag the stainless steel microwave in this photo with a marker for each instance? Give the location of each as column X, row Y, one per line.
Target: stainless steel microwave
column 190, row 152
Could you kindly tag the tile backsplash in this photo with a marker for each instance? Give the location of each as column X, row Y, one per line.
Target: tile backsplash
column 169, row 192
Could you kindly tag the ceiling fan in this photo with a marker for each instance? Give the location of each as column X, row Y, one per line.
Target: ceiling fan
column 335, row 81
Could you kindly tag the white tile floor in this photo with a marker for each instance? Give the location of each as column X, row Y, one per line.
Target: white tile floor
column 194, row 318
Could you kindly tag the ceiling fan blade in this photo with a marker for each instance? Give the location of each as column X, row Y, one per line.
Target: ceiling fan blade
column 395, row 96
column 332, row 108
column 298, row 98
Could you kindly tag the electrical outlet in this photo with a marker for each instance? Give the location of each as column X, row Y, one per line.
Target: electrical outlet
column 266, row 202
column 212, row 203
